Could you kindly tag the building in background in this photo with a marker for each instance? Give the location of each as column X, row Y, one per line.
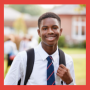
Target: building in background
column 10, row 15
column 73, row 22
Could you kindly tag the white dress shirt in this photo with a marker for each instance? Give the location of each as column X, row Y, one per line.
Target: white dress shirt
column 39, row 72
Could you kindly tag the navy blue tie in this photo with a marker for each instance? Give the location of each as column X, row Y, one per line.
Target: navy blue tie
column 50, row 72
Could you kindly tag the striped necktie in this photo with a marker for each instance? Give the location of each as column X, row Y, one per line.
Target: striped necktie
column 50, row 72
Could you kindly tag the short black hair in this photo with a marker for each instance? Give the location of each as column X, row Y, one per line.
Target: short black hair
column 48, row 15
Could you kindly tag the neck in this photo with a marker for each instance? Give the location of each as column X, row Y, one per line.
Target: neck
column 49, row 49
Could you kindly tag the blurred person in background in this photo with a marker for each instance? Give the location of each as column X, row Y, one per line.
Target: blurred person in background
column 32, row 42
column 10, row 50
column 29, row 45
column 23, row 44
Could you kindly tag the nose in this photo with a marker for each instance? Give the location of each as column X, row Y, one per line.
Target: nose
column 50, row 31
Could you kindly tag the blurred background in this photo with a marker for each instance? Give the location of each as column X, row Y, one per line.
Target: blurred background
column 20, row 32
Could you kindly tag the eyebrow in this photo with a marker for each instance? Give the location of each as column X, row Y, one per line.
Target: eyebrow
column 52, row 26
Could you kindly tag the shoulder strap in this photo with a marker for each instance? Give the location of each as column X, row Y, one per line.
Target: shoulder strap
column 61, row 57
column 30, row 62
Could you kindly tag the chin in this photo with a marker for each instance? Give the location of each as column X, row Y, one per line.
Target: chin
column 50, row 44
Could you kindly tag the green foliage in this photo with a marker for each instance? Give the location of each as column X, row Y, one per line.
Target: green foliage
column 39, row 39
column 82, row 44
column 30, row 9
column 19, row 25
column 81, row 8
column 61, row 41
column 79, row 45
column 82, row 5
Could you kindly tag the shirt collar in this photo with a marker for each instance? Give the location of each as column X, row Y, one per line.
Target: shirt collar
column 44, row 54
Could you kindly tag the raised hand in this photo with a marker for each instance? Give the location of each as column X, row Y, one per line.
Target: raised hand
column 64, row 74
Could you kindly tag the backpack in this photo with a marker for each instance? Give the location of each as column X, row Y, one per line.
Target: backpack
column 30, row 63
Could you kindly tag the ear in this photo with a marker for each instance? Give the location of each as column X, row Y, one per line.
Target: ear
column 61, row 31
column 39, row 32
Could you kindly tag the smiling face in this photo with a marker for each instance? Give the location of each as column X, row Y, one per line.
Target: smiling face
column 49, row 31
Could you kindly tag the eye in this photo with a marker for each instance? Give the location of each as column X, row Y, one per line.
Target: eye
column 44, row 28
column 54, row 27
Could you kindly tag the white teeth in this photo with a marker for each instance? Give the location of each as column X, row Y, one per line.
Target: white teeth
column 50, row 37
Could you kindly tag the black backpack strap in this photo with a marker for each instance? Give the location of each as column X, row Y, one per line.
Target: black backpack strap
column 19, row 82
column 30, row 63
column 61, row 59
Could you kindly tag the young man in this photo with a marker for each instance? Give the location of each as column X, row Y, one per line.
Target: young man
column 49, row 30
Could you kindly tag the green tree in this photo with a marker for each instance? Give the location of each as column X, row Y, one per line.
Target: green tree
column 81, row 8
column 61, row 41
column 30, row 9
column 83, row 5
column 19, row 25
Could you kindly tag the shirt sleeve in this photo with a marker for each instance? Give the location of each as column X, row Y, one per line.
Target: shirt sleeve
column 70, row 66
column 72, row 73
column 15, row 71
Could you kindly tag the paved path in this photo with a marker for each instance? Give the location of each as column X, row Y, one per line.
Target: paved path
column 78, row 55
